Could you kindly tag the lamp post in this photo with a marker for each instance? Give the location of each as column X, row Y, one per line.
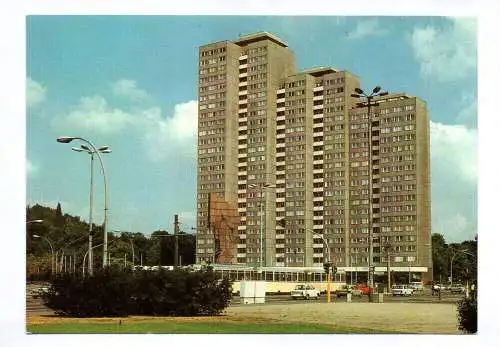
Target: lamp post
column 329, row 277
column 388, row 249
column 84, row 148
column 51, row 248
column 36, row 221
column 359, row 93
column 261, row 189
column 93, row 149
column 131, row 246
column 454, row 253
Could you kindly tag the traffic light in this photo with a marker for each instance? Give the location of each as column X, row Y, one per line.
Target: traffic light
column 326, row 266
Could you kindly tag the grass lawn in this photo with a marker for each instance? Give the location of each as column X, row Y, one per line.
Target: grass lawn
column 184, row 327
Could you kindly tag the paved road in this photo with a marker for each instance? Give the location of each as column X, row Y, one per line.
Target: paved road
column 420, row 298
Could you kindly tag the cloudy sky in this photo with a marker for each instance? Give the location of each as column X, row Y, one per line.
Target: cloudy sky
column 131, row 83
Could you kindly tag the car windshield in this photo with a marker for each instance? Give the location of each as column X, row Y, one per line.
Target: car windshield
column 299, row 287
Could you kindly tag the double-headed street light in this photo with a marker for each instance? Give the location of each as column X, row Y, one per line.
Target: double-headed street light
column 86, row 149
column 94, row 150
column 261, row 189
column 359, row 93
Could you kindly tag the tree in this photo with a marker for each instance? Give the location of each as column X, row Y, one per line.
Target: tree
column 439, row 257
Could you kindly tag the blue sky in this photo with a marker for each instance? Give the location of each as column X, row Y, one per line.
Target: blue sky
column 130, row 82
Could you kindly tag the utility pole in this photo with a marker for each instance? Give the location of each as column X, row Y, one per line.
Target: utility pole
column 176, row 240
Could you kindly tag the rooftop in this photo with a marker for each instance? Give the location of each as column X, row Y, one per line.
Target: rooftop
column 259, row 36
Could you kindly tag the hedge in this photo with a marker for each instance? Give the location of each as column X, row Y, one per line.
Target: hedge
column 115, row 292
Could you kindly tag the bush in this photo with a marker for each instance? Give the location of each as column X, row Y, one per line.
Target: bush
column 467, row 315
column 105, row 294
column 115, row 292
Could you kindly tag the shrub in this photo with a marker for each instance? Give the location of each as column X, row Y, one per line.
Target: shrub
column 114, row 292
column 105, row 294
column 467, row 315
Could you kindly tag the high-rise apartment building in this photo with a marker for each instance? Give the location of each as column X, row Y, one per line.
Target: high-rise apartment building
column 290, row 151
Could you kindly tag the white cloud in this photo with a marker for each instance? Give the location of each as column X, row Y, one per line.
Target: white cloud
column 128, row 89
column 94, row 113
column 35, row 92
column 457, row 146
column 175, row 135
column 454, row 181
column 447, row 53
column 31, row 169
column 367, row 27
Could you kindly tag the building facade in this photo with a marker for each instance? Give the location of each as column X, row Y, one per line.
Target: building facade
column 291, row 150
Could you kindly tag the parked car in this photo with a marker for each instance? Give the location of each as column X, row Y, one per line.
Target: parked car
column 457, row 289
column 363, row 288
column 346, row 289
column 304, row 291
column 402, row 289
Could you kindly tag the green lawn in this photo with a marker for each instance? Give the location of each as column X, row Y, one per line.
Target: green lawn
column 187, row 328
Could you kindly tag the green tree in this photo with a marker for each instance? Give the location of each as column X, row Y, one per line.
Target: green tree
column 439, row 257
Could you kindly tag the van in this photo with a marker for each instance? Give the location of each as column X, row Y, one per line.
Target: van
column 417, row 286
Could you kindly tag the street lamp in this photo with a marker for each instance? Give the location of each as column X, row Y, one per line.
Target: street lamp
column 388, row 249
column 36, row 221
column 50, row 245
column 454, row 253
column 131, row 245
column 93, row 149
column 84, row 148
column 261, row 189
column 376, row 92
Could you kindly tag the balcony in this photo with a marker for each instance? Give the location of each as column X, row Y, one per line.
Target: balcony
column 318, row 198
column 243, row 84
column 242, row 75
column 243, row 66
column 319, row 97
column 318, row 116
column 280, row 91
column 318, row 208
column 317, row 89
column 280, row 100
column 243, row 57
column 280, row 109
column 318, row 107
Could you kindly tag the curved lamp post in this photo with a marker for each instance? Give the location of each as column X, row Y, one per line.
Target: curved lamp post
column 131, row 246
column 86, row 149
column 50, row 245
column 68, row 139
column 454, row 253
column 359, row 93
column 37, row 221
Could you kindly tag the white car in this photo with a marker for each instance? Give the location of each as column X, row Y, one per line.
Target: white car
column 402, row 289
column 304, row 291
